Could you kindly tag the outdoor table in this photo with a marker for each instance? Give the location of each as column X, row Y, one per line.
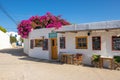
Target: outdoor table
column 110, row 59
column 67, row 58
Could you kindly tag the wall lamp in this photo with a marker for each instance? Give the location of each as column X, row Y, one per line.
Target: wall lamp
column 89, row 33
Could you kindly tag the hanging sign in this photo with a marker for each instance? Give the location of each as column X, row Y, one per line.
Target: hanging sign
column 53, row 35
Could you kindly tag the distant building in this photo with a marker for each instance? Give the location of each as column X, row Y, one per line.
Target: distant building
column 4, row 40
column 15, row 34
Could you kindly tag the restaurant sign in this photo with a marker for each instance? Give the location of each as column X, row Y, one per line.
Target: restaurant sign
column 53, row 35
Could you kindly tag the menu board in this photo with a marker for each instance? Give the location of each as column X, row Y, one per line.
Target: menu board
column 116, row 43
column 96, row 43
column 45, row 44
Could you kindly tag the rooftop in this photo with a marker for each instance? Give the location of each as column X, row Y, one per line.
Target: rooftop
column 103, row 25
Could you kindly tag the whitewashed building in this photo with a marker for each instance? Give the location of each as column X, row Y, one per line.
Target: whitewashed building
column 101, row 38
column 18, row 37
column 4, row 40
column 14, row 34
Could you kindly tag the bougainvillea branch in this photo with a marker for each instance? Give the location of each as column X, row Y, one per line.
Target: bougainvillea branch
column 24, row 28
column 46, row 21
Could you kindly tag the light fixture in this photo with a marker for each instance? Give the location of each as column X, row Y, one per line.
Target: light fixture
column 118, row 35
column 106, row 30
column 89, row 32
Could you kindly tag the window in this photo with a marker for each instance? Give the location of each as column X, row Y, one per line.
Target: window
column 62, row 42
column 96, row 43
column 81, row 42
column 31, row 44
column 38, row 42
column 45, row 44
column 115, row 43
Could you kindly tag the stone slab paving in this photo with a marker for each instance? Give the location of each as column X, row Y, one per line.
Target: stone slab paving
column 14, row 65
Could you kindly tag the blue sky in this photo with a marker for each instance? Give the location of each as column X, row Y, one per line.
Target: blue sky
column 74, row 11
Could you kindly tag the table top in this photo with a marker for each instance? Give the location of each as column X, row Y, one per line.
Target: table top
column 66, row 54
column 106, row 57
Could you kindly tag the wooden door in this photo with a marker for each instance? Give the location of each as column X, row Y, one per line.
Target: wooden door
column 54, row 54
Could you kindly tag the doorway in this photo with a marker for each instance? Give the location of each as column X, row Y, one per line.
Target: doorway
column 54, row 54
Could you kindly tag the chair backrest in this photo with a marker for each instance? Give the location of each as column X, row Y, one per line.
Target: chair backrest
column 79, row 56
column 117, row 59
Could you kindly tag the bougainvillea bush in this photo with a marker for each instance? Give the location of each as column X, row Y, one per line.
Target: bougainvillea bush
column 24, row 28
column 46, row 21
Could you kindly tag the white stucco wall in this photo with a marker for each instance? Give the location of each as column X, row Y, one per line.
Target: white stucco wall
column 26, row 46
column 106, row 44
column 4, row 40
column 37, row 52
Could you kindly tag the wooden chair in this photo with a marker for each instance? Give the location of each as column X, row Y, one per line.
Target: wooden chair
column 63, row 58
column 95, row 60
column 67, row 58
column 70, row 59
column 77, row 59
column 117, row 62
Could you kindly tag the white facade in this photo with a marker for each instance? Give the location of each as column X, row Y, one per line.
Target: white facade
column 18, row 37
column 26, row 46
column 69, row 32
column 106, row 44
column 37, row 52
column 4, row 40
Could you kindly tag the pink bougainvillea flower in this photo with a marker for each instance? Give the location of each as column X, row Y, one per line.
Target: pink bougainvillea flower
column 24, row 28
column 48, row 14
column 50, row 26
column 46, row 21
column 35, row 19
